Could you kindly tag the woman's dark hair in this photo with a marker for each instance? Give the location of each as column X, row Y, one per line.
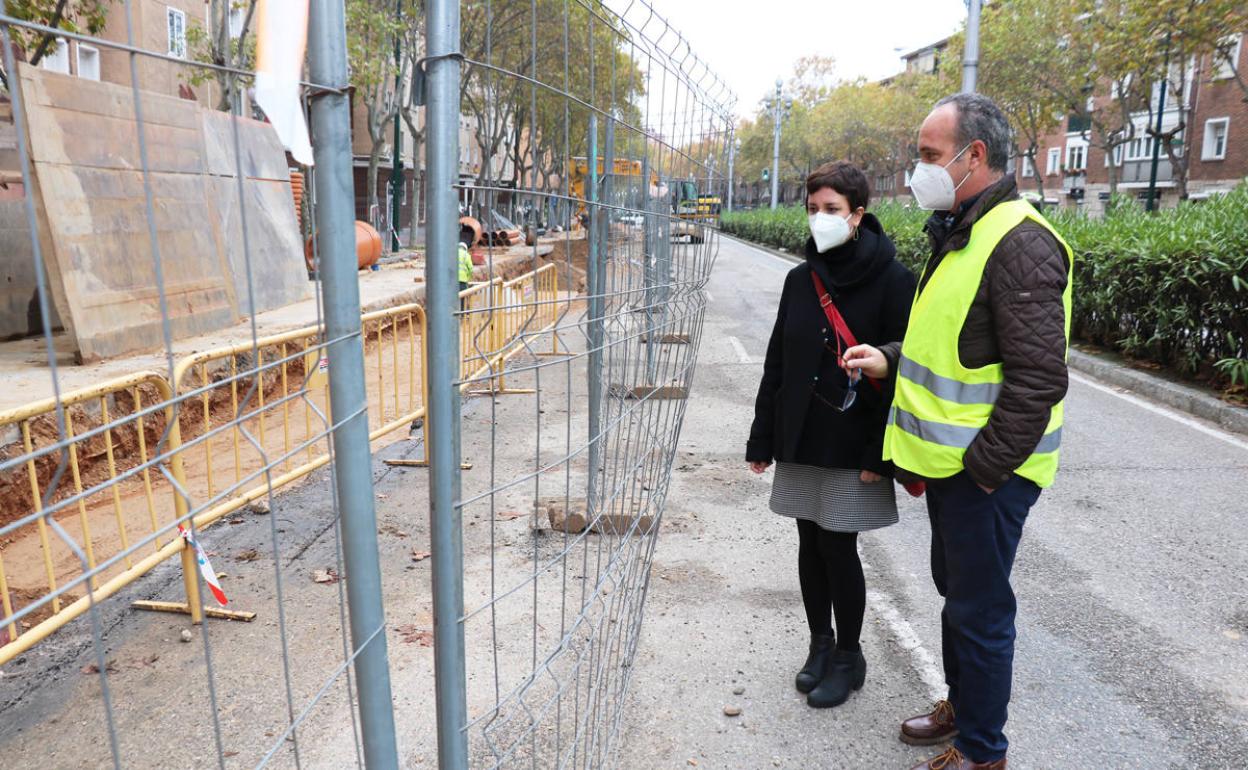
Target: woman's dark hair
column 844, row 177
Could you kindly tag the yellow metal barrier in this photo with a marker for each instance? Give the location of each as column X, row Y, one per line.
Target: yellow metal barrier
column 106, row 468
column 277, row 412
column 498, row 316
column 251, row 418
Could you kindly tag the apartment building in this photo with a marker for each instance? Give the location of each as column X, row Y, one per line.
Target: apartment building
column 1073, row 172
column 161, row 26
column 1214, row 141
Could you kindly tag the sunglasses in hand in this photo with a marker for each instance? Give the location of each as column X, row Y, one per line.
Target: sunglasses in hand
column 851, row 395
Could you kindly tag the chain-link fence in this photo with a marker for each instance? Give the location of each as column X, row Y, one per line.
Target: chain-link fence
column 139, row 218
column 620, row 138
column 148, row 436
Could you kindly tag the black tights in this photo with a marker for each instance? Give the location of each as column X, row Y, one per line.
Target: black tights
column 830, row 572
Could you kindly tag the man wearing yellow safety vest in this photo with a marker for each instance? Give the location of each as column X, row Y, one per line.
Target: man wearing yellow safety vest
column 980, row 381
column 465, row 263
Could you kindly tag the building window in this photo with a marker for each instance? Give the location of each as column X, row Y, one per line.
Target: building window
column 1028, row 169
column 88, row 62
column 1055, row 161
column 1214, row 147
column 56, row 57
column 1076, row 157
column 177, row 32
column 237, row 16
column 1226, row 59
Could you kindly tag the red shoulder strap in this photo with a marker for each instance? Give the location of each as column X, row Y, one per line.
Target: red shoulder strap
column 834, row 317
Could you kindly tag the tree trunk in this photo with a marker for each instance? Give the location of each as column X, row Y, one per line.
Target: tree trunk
column 1039, row 177
column 374, row 161
column 47, row 40
column 1179, row 170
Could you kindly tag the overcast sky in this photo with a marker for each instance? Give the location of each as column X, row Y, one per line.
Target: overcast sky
column 750, row 43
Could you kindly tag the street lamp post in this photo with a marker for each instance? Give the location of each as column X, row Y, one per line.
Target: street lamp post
column 396, row 165
column 780, row 108
column 970, row 61
column 1151, row 204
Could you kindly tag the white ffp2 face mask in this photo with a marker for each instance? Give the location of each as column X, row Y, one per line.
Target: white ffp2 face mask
column 933, row 187
column 829, row 230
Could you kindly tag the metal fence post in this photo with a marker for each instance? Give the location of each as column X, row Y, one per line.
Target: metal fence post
column 595, row 326
column 441, row 303
column 650, row 226
column 331, row 125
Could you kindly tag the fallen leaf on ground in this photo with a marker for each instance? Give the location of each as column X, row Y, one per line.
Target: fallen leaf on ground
column 509, row 515
column 410, row 634
column 324, row 576
column 109, row 667
column 390, row 529
column 251, row 554
column 420, row 555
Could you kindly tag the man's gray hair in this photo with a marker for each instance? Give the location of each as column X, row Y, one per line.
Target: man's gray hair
column 980, row 118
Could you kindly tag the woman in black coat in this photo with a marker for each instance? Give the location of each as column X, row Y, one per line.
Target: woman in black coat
column 824, row 431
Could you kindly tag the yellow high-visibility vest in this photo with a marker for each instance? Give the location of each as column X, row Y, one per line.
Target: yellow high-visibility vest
column 940, row 405
column 465, row 264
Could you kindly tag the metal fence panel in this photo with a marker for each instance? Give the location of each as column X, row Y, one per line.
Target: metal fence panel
column 616, row 137
column 548, row 396
column 103, row 484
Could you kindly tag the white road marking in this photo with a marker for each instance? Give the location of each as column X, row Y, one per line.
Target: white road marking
column 1164, row 412
column 741, row 354
column 920, row 659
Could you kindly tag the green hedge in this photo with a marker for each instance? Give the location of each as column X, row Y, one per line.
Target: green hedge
column 1170, row 287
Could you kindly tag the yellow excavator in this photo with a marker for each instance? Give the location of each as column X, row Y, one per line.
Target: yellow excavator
column 686, row 202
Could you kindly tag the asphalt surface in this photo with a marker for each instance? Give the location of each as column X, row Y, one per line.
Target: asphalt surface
column 1132, row 580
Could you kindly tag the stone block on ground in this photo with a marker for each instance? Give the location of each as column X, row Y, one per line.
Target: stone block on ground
column 565, row 515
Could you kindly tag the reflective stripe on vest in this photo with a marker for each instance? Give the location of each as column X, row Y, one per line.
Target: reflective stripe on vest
column 946, row 387
column 958, row 436
column 940, row 406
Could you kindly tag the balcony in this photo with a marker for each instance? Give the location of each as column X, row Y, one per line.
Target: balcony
column 1136, row 172
column 1074, row 181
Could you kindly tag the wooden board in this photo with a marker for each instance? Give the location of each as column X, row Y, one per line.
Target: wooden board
column 278, row 272
column 94, row 220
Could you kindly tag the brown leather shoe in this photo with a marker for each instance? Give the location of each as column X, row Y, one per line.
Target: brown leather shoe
column 932, row 728
column 953, row 759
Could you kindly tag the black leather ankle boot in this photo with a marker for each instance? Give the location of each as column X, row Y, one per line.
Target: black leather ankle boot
column 812, row 672
column 846, row 672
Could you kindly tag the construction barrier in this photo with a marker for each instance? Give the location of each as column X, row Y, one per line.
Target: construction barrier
column 499, row 316
column 252, row 418
column 62, row 542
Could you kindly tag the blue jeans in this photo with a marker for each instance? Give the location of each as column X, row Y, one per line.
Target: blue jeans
column 974, row 538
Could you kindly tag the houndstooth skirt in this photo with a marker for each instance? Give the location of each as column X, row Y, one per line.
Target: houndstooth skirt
column 834, row 498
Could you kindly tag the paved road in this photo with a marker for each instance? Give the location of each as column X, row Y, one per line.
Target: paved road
column 1132, row 581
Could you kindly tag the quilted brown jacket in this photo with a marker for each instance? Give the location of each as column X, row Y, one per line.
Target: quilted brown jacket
column 1018, row 320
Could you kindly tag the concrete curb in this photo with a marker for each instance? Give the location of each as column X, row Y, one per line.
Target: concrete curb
column 1182, row 397
column 794, row 258
column 1185, row 398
